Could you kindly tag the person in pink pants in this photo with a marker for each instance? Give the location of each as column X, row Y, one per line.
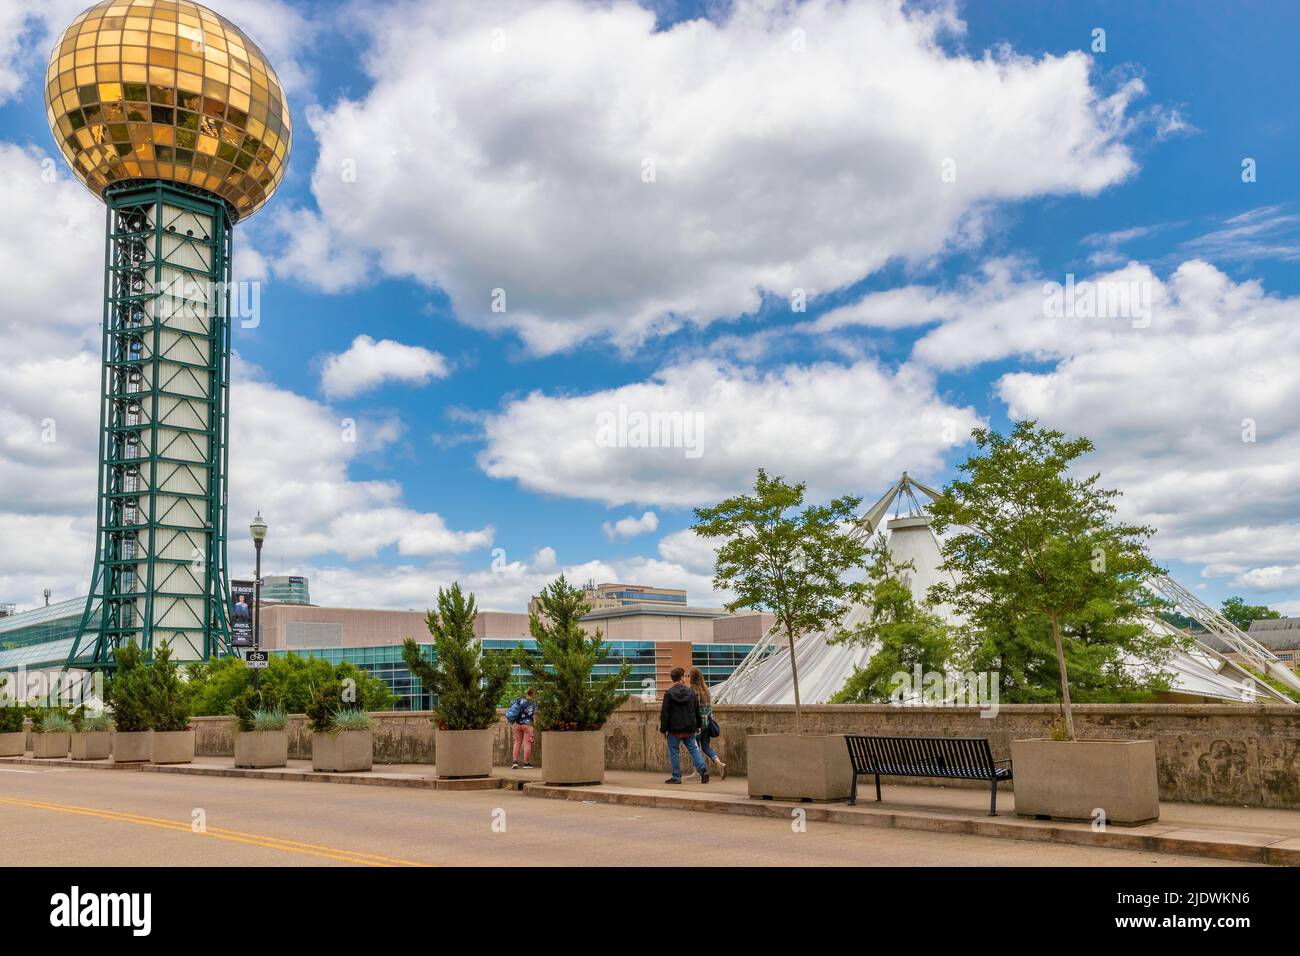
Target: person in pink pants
column 520, row 716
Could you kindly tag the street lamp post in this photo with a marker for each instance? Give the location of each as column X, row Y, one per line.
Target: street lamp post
column 258, row 531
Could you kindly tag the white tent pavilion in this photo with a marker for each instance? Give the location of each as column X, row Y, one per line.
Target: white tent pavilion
column 1201, row 672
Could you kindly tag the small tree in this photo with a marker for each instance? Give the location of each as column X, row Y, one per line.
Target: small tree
column 568, row 697
column 1035, row 542
column 126, row 690
column 466, row 681
column 164, row 693
column 908, row 634
column 792, row 565
column 1241, row 614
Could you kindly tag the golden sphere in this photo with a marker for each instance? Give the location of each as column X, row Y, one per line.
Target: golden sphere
column 167, row 89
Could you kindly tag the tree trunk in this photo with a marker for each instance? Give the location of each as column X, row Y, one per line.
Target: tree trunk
column 794, row 673
column 1066, row 710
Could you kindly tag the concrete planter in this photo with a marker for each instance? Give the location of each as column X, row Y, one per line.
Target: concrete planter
column 261, row 748
column 172, row 746
column 573, row 756
column 48, row 746
column 135, row 746
column 14, row 744
column 464, row 753
column 91, row 745
column 1074, row 779
column 799, row 766
column 344, row 752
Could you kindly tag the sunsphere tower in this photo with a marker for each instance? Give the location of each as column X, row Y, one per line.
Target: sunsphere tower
column 175, row 119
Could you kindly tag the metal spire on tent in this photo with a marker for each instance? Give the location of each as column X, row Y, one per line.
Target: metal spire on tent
column 763, row 676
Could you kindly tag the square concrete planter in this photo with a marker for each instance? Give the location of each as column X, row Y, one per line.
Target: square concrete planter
column 463, row 753
column 14, row 744
column 1075, row 779
column 50, row 746
column 261, row 748
column 134, row 746
column 172, row 746
column 799, row 766
column 571, row 757
column 344, row 752
column 91, row 745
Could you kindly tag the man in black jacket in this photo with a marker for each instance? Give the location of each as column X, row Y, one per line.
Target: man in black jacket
column 679, row 722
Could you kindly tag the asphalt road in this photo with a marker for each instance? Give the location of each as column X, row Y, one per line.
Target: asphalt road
column 72, row 817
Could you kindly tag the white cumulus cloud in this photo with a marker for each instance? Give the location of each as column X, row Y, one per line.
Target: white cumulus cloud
column 630, row 527
column 843, row 428
column 573, row 172
column 1194, row 407
column 368, row 364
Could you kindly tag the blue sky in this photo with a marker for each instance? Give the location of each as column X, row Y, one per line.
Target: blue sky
column 1084, row 163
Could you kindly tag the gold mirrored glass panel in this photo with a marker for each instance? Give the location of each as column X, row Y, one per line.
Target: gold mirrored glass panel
column 167, row 89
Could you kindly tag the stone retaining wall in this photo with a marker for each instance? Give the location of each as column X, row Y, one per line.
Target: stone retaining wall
column 1233, row 755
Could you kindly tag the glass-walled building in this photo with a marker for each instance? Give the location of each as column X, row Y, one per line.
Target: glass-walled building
column 285, row 589
column 647, row 678
column 42, row 625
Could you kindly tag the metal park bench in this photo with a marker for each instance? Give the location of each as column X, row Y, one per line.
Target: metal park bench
column 960, row 758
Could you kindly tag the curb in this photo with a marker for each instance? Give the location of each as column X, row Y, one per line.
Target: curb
column 364, row 778
column 68, row 762
column 1234, row 846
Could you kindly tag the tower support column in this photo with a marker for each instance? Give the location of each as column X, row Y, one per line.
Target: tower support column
column 160, row 560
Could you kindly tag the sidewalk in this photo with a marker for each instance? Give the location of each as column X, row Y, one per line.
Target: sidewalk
column 1243, row 834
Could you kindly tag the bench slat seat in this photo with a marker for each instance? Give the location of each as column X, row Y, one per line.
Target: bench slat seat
column 957, row 758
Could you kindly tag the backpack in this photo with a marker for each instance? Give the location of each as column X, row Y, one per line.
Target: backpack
column 516, row 706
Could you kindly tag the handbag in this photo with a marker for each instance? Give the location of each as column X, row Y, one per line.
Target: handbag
column 713, row 728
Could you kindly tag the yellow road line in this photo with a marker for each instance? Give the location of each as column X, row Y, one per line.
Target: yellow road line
column 141, row 818
column 219, row 833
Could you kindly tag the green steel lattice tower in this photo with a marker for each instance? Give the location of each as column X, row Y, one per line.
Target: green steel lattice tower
column 160, row 564
column 175, row 119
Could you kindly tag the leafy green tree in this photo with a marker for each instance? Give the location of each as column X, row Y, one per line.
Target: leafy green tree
column 908, row 635
column 1241, row 614
column 466, row 681
column 1039, row 556
column 214, row 685
column 126, row 690
column 790, row 564
column 568, row 698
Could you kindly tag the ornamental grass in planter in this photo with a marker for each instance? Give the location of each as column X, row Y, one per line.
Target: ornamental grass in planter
column 51, row 733
column 92, row 737
column 261, row 729
column 127, row 697
column 572, row 708
column 465, row 682
column 342, row 739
